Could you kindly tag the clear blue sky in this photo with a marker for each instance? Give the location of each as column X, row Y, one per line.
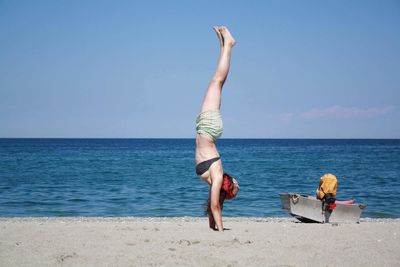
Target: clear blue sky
column 300, row 69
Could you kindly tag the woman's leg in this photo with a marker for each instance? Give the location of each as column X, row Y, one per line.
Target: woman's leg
column 212, row 99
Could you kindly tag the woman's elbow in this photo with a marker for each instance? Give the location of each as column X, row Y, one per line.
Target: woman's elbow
column 215, row 207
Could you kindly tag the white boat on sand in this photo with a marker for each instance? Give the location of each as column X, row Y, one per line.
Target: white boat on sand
column 310, row 209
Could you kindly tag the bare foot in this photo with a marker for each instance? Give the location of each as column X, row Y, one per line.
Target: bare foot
column 216, row 29
column 227, row 38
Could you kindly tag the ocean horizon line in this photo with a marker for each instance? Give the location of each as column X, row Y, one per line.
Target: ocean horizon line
column 193, row 138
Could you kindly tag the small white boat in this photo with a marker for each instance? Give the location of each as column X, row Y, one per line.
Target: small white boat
column 310, row 209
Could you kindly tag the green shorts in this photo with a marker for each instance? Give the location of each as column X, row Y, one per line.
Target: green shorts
column 209, row 124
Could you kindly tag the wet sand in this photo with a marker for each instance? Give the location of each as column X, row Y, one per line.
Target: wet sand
column 187, row 241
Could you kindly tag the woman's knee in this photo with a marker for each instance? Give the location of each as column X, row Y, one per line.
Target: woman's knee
column 217, row 81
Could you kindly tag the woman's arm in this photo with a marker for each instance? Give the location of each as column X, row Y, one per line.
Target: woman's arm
column 211, row 220
column 215, row 202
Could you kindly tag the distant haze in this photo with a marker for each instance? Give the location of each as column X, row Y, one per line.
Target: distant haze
column 300, row 69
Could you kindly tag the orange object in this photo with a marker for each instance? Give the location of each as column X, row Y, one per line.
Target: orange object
column 327, row 185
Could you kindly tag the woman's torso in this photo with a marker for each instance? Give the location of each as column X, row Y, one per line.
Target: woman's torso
column 205, row 149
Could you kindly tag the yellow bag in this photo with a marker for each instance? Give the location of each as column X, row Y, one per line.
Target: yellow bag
column 327, row 185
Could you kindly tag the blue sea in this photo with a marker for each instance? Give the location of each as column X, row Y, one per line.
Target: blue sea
column 155, row 177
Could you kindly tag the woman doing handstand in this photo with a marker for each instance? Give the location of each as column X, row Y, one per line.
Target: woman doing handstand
column 209, row 129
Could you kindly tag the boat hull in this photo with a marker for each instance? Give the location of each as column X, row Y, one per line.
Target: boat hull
column 310, row 209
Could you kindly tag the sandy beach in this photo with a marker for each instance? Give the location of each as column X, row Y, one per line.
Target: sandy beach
column 187, row 241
